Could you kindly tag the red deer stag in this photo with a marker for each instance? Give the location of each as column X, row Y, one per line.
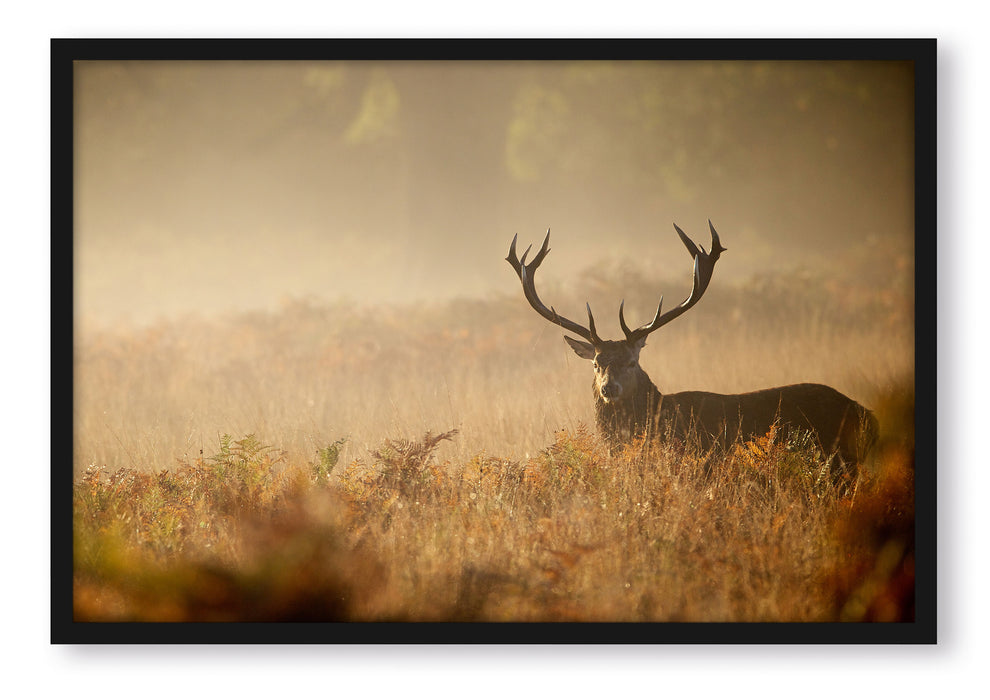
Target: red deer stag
column 627, row 402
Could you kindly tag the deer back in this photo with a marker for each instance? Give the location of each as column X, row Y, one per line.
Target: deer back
column 841, row 424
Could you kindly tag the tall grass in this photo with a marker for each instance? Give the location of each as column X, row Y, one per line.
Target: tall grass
column 434, row 463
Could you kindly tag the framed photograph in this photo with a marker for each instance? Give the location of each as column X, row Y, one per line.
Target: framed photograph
column 320, row 394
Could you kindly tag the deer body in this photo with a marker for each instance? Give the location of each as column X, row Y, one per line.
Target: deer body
column 628, row 403
column 842, row 426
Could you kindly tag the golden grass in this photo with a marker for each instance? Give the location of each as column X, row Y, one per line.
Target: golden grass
column 522, row 513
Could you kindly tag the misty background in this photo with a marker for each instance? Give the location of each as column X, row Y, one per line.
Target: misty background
column 207, row 187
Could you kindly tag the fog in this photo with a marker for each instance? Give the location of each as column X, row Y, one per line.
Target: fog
column 208, row 187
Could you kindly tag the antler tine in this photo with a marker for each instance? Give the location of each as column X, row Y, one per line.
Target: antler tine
column 688, row 243
column 544, row 249
column 522, row 261
column 595, row 340
column 704, row 266
column 527, row 272
column 622, row 320
column 717, row 248
column 707, row 262
column 511, row 257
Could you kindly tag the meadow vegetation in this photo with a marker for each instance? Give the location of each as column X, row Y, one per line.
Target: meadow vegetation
column 333, row 461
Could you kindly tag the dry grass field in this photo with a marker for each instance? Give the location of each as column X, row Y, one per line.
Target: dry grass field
column 336, row 461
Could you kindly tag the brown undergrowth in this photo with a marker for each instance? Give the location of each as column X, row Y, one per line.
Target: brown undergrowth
column 651, row 532
column 348, row 509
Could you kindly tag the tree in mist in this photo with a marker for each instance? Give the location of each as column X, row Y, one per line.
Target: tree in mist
column 350, row 169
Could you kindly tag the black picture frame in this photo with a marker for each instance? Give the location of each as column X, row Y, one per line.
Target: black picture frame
column 65, row 51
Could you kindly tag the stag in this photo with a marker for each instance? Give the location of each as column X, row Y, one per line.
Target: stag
column 628, row 403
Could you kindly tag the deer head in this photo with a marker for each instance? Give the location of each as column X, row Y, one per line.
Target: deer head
column 618, row 375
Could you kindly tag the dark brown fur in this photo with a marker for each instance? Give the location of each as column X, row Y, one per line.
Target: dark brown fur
column 841, row 425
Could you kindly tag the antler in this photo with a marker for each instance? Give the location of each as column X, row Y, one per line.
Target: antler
column 527, row 272
column 704, row 265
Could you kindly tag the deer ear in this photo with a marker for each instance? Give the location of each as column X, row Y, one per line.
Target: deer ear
column 584, row 350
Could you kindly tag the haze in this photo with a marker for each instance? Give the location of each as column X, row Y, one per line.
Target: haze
column 207, row 187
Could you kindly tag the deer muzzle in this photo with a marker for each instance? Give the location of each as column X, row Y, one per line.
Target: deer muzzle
column 610, row 390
